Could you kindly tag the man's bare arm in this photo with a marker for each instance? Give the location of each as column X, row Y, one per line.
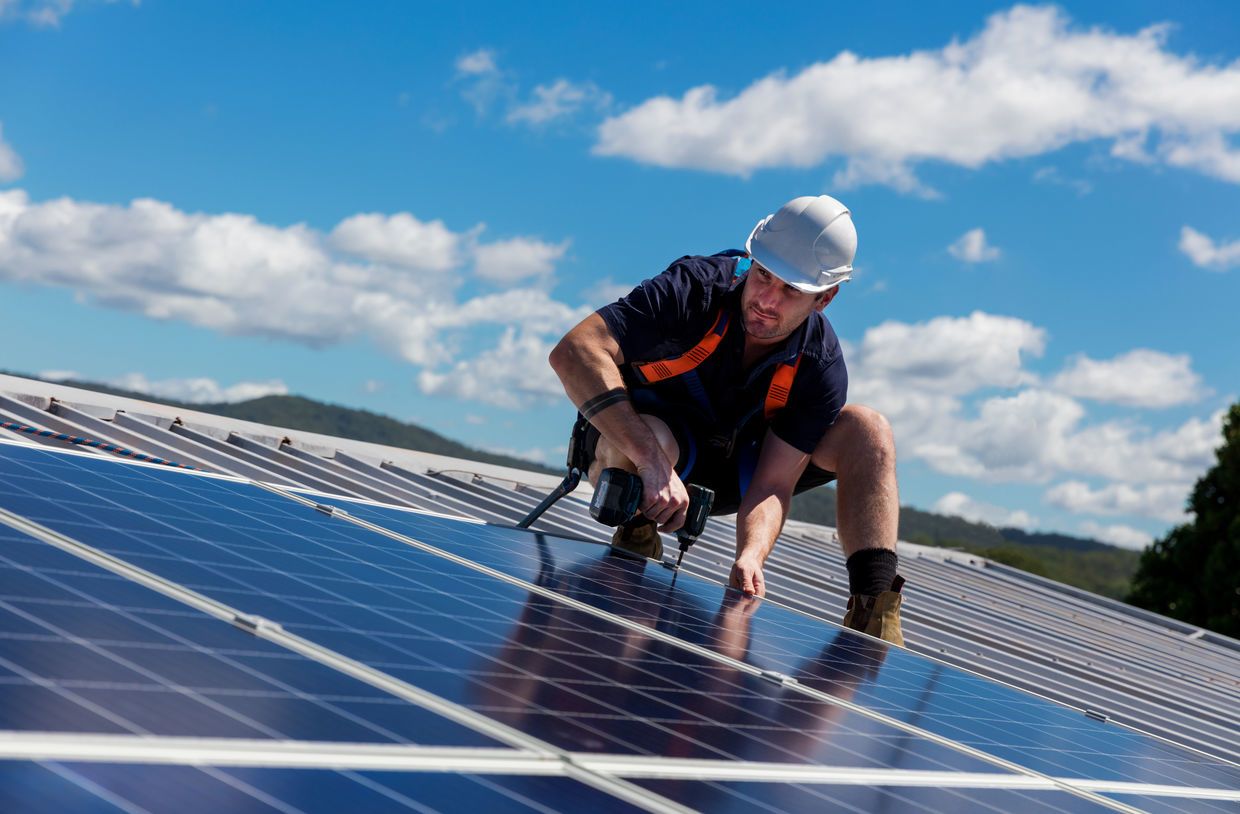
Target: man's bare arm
column 588, row 360
column 763, row 511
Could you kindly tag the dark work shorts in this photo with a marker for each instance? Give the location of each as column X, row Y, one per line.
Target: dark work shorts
column 703, row 464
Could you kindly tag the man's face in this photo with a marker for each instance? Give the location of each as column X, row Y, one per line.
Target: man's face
column 771, row 309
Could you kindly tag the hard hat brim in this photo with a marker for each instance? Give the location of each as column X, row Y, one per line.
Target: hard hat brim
column 788, row 273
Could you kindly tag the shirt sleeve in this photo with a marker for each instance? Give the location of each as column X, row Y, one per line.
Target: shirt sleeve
column 813, row 405
column 664, row 312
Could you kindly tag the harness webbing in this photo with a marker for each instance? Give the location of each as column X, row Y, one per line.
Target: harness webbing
column 651, row 372
column 776, row 395
column 781, row 386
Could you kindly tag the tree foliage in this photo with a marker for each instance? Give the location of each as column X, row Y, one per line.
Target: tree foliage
column 1193, row 573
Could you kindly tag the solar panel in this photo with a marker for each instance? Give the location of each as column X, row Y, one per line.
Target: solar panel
column 476, row 641
column 598, row 658
column 966, row 708
column 109, row 787
column 83, row 650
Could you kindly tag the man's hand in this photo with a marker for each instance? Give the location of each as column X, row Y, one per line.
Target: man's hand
column 747, row 575
column 664, row 497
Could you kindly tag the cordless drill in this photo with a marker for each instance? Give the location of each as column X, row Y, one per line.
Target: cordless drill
column 618, row 495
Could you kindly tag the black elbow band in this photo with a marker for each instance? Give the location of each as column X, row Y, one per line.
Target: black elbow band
column 602, row 401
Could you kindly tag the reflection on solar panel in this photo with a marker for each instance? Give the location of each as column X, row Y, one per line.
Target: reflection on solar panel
column 165, row 634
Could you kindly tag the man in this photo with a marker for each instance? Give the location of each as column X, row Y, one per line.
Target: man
column 724, row 371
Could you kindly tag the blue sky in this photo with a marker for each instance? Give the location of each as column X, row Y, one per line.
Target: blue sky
column 401, row 207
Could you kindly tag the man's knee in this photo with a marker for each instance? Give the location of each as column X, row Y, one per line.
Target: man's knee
column 859, row 434
column 607, row 455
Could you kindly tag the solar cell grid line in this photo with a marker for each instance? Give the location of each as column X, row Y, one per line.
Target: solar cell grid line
column 82, row 649
column 55, row 787
column 756, row 693
column 726, row 797
column 1070, row 722
column 359, row 757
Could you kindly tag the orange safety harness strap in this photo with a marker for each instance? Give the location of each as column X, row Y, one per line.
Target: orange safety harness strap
column 651, row 372
column 776, row 395
column 781, row 386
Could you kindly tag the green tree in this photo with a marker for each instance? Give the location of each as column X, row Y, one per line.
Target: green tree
column 1194, row 573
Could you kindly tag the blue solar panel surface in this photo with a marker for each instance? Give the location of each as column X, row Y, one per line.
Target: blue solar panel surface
column 95, row 788
column 562, row 674
column 84, row 650
column 568, row 677
column 999, row 720
column 741, row 798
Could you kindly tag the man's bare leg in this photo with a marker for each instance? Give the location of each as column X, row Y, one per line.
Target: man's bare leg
column 860, row 449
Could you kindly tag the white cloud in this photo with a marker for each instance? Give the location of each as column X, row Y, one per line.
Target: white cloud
column 1052, row 176
column 11, row 167
column 1029, row 83
column 509, row 262
column 483, row 83
column 477, row 63
column 1161, row 501
column 511, row 375
column 605, row 291
column 961, row 505
column 372, row 386
column 1118, row 535
column 930, row 380
column 972, row 247
column 401, row 240
column 199, row 390
column 558, row 100
column 57, row 375
column 41, row 13
column 950, row 355
column 1138, row 378
column 387, row 278
column 1206, row 253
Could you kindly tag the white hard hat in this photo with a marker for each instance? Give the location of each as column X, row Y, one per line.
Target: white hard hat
column 809, row 243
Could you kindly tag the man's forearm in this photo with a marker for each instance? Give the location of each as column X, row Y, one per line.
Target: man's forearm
column 593, row 382
column 758, row 524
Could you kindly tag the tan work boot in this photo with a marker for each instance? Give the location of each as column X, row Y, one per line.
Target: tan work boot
column 640, row 538
column 878, row 615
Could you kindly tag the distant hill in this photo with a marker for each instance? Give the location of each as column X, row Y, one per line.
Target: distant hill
column 308, row 415
column 1087, row 564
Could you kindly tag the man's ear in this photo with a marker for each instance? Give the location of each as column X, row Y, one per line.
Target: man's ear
column 827, row 296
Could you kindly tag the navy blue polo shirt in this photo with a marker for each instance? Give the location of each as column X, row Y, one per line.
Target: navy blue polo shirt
column 667, row 315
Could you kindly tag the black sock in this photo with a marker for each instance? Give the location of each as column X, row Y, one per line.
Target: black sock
column 871, row 571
